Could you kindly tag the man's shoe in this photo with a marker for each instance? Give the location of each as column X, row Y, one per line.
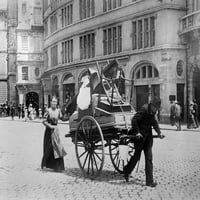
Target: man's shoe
column 151, row 184
column 126, row 176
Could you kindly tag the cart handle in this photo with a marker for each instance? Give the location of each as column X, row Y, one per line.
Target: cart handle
column 134, row 137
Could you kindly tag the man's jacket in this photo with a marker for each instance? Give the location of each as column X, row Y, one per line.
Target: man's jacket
column 144, row 120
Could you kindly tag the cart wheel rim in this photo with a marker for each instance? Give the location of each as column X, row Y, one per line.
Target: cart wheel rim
column 115, row 157
column 89, row 147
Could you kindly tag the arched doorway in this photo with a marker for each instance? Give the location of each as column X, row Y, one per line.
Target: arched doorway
column 32, row 98
column 68, row 87
column 146, row 84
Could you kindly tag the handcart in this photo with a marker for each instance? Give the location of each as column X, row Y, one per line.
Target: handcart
column 105, row 123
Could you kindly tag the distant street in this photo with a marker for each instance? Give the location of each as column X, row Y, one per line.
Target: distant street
column 176, row 168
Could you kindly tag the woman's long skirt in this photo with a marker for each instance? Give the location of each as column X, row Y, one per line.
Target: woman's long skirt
column 48, row 159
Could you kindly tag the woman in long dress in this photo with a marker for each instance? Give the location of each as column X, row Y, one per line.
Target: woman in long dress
column 53, row 151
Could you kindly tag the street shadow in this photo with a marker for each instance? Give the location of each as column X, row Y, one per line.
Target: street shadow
column 108, row 176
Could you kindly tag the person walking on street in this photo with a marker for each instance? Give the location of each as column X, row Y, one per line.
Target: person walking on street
column 178, row 111
column 191, row 121
column 53, row 150
column 40, row 113
column 142, row 124
column 25, row 114
column 23, row 111
column 196, row 112
column 12, row 112
column 19, row 109
column 172, row 113
column 8, row 110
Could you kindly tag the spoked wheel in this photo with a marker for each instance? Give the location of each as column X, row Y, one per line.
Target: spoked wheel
column 117, row 159
column 89, row 147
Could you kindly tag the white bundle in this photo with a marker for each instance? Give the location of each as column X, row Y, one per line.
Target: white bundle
column 83, row 98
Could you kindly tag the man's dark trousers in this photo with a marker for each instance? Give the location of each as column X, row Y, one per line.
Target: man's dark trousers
column 146, row 146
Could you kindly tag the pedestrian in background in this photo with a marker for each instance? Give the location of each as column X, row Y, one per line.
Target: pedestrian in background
column 142, row 123
column 53, row 151
column 23, row 111
column 34, row 113
column 172, row 113
column 19, row 110
column 30, row 111
column 40, row 113
column 196, row 112
column 178, row 111
column 8, row 110
column 12, row 112
column 25, row 114
column 191, row 121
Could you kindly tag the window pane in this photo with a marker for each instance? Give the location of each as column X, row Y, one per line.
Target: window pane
column 138, row 74
column 152, row 31
column 149, row 71
column 114, row 40
column 119, row 38
column 25, row 73
column 109, row 41
column 109, row 5
column 134, row 36
column 140, row 34
column 104, row 5
column 63, row 52
column 146, row 32
column 105, row 42
column 93, row 45
column 144, row 72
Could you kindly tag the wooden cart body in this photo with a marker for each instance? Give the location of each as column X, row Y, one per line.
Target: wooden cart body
column 104, row 123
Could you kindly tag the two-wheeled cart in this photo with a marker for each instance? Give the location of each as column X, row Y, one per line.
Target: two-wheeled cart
column 105, row 123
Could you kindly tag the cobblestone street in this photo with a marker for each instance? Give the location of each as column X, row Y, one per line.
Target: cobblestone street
column 176, row 168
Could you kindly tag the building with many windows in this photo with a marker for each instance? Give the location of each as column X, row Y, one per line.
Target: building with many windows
column 143, row 36
column 3, row 52
column 25, row 51
column 190, row 35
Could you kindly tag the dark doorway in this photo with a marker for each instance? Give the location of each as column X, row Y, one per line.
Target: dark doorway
column 142, row 95
column 32, row 98
column 180, row 96
column 68, row 91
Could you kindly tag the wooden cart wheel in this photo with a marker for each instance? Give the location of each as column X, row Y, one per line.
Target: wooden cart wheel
column 89, row 147
column 115, row 157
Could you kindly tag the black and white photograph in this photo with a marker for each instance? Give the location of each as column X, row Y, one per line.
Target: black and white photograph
column 99, row 99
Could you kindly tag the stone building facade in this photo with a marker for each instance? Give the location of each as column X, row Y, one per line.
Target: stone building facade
column 3, row 52
column 25, row 47
column 142, row 35
column 190, row 35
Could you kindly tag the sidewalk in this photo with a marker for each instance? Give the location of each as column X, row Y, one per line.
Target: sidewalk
column 37, row 120
column 162, row 126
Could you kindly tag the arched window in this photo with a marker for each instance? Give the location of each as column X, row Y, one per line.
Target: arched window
column 146, row 71
column 179, row 68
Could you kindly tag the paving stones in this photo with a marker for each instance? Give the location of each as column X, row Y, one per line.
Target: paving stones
column 176, row 169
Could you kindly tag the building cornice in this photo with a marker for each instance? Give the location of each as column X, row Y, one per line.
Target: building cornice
column 122, row 56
